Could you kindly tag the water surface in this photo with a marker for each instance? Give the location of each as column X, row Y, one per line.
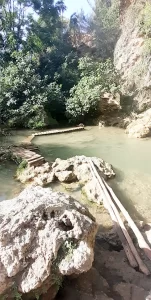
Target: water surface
column 131, row 159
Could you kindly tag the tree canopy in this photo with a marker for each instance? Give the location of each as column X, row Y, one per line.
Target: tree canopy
column 49, row 65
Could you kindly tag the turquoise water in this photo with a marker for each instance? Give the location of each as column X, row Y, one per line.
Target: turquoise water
column 131, row 159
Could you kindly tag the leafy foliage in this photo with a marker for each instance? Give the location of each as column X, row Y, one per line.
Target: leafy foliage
column 42, row 73
column 96, row 78
column 24, row 95
column 105, row 25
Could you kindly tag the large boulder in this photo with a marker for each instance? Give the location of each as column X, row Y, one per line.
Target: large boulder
column 141, row 127
column 44, row 236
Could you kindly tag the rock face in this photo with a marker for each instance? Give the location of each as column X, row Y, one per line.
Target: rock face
column 132, row 56
column 141, row 127
column 109, row 104
column 44, row 236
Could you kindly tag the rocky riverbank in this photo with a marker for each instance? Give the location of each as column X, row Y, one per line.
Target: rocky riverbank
column 72, row 170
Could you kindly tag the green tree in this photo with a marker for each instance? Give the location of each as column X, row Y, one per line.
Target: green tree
column 105, row 26
column 24, row 96
column 96, row 78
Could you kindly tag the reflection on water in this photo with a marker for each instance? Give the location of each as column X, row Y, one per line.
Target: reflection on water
column 9, row 188
column 15, row 137
column 129, row 157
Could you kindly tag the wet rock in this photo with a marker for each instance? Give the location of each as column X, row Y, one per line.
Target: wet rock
column 41, row 175
column 63, row 165
column 104, row 168
column 146, row 229
column 65, row 176
column 70, row 170
column 79, row 165
column 74, row 186
column 92, row 190
column 82, row 171
column 44, row 236
column 73, row 170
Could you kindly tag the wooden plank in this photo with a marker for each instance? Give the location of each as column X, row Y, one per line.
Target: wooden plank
column 141, row 241
column 34, row 157
column 104, row 187
column 50, row 132
column 36, row 162
column 118, row 229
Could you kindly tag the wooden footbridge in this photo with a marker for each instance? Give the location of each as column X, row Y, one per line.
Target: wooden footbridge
column 52, row 132
column 31, row 157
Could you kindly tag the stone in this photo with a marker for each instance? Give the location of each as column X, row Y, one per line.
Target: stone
column 70, row 170
column 109, row 104
column 141, row 127
column 82, row 171
column 92, row 190
column 65, row 176
column 105, row 168
column 79, row 165
column 44, row 236
column 41, row 175
column 63, row 165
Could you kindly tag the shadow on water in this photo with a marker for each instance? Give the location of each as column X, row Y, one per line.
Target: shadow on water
column 51, row 152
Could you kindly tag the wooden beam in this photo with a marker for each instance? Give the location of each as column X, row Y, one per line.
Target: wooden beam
column 103, row 185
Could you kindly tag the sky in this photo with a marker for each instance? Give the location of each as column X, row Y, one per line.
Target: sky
column 76, row 5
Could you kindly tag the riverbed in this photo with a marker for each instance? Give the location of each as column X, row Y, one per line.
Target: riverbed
column 129, row 157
